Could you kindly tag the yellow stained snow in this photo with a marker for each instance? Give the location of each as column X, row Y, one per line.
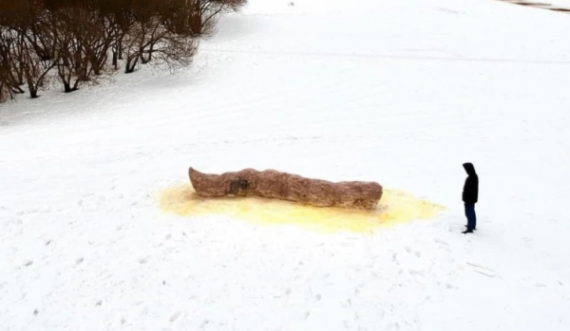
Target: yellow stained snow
column 394, row 207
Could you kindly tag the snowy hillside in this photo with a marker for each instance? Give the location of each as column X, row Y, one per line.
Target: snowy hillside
column 95, row 233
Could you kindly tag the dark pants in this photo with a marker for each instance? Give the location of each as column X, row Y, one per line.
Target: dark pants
column 471, row 218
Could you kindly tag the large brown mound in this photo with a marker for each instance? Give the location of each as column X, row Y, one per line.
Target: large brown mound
column 279, row 185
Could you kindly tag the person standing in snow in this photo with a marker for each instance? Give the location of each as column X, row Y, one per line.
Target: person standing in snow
column 470, row 196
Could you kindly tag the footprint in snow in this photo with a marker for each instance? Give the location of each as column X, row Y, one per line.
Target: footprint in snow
column 394, row 326
column 175, row 316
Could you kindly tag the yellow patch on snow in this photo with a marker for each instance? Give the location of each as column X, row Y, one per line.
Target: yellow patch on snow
column 394, row 207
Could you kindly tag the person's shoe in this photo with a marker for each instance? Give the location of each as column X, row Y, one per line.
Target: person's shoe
column 468, row 231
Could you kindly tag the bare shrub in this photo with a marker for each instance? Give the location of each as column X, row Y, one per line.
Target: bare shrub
column 30, row 44
column 7, row 80
column 160, row 35
column 206, row 13
column 34, row 68
column 76, row 41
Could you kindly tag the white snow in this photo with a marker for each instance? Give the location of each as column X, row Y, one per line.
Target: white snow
column 400, row 92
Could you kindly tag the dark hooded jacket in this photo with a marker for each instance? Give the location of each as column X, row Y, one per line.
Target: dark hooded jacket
column 471, row 187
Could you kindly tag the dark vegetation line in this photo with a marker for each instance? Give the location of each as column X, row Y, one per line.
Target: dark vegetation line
column 76, row 41
column 540, row 5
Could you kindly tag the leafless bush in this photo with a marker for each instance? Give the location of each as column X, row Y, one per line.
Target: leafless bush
column 7, row 80
column 34, row 68
column 208, row 11
column 29, row 44
column 76, row 41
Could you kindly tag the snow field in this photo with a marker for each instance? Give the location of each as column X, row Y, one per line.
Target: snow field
column 398, row 92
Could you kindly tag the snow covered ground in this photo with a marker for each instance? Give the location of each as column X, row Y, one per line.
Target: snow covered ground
column 400, row 92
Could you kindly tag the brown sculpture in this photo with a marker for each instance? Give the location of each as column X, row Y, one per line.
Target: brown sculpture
column 284, row 186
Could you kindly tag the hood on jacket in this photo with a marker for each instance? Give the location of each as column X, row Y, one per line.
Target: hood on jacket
column 469, row 168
